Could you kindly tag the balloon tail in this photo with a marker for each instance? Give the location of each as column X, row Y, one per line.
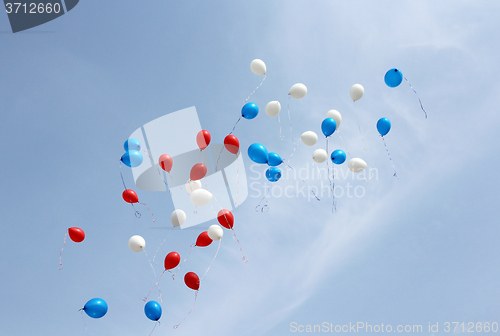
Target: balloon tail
column 388, row 154
column 332, row 183
column 85, row 324
column 246, row 100
column 178, row 267
column 154, row 272
column 421, row 106
column 290, row 120
column 347, row 150
column 265, row 207
column 157, row 323
column 60, row 254
column 282, row 137
column 164, row 240
column 154, row 220
column 312, row 191
column 245, row 260
column 156, row 284
column 359, row 126
column 192, row 307
column 215, row 256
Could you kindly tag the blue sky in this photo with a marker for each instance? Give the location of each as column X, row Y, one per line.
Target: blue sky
column 411, row 251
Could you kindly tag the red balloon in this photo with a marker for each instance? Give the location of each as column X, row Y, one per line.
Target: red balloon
column 166, row 162
column 203, row 139
column 203, row 239
column 76, row 234
column 130, row 196
column 172, row 260
column 192, row 280
column 226, row 218
column 198, row 172
column 232, row 144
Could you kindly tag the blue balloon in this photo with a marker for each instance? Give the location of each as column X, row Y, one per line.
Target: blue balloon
column 249, row 110
column 393, row 77
column 132, row 144
column 132, row 158
column 273, row 174
column 328, row 126
column 152, row 309
column 274, row 159
column 258, row 153
column 338, row 156
column 96, row 308
column 383, row 126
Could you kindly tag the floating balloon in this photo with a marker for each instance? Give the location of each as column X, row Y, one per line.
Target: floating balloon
column 357, row 165
column 178, row 217
column 215, row 232
column 192, row 185
column 328, row 126
column 393, row 78
column 76, row 234
column 274, row 159
column 152, row 309
column 96, row 308
column 172, row 260
column 273, row 108
column 258, row 67
column 338, row 156
column 130, row 196
column 383, row 126
column 198, row 172
column 136, row 243
column 309, row 138
column 258, row 153
column 200, row 197
column 203, row 139
column 203, row 239
column 192, row 281
column 320, row 155
column 132, row 158
column 225, row 218
column 334, row 114
column 298, row 91
column 132, row 144
column 165, row 162
column 232, row 144
column 273, row 174
column 357, row 91
column 249, row 110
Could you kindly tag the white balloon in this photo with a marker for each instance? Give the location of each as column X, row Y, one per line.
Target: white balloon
column 334, row 114
column 357, row 165
column 258, row 67
column 357, row 91
column 136, row 243
column 298, row 91
column 178, row 217
column 200, row 197
column 273, row 108
column 215, row 232
column 320, row 155
column 309, row 138
column 192, row 185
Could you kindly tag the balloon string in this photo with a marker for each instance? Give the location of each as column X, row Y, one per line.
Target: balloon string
column 85, row 324
column 245, row 260
column 195, row 296
column 256, row 89
column 60, row 253
column 137, row 213
column 282, row 137
column 154, row 220
column 265, row 207
column 236, row 203
column 234, row 127
column 359, row 126
column 417, row 96
column 154, row 272
column 332, row 183
column 393, row 166
column 158, row 322
column 164, row 240
column 312, row 191
column 216, row 253
column 346, row 149
column 290, row 120
column 156, row 284
column 178, row 267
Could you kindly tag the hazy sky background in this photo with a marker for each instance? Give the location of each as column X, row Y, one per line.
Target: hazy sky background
column 412, row 251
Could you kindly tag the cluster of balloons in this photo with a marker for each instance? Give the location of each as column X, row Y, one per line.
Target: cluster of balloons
column 132, row 157
column 259, row 154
